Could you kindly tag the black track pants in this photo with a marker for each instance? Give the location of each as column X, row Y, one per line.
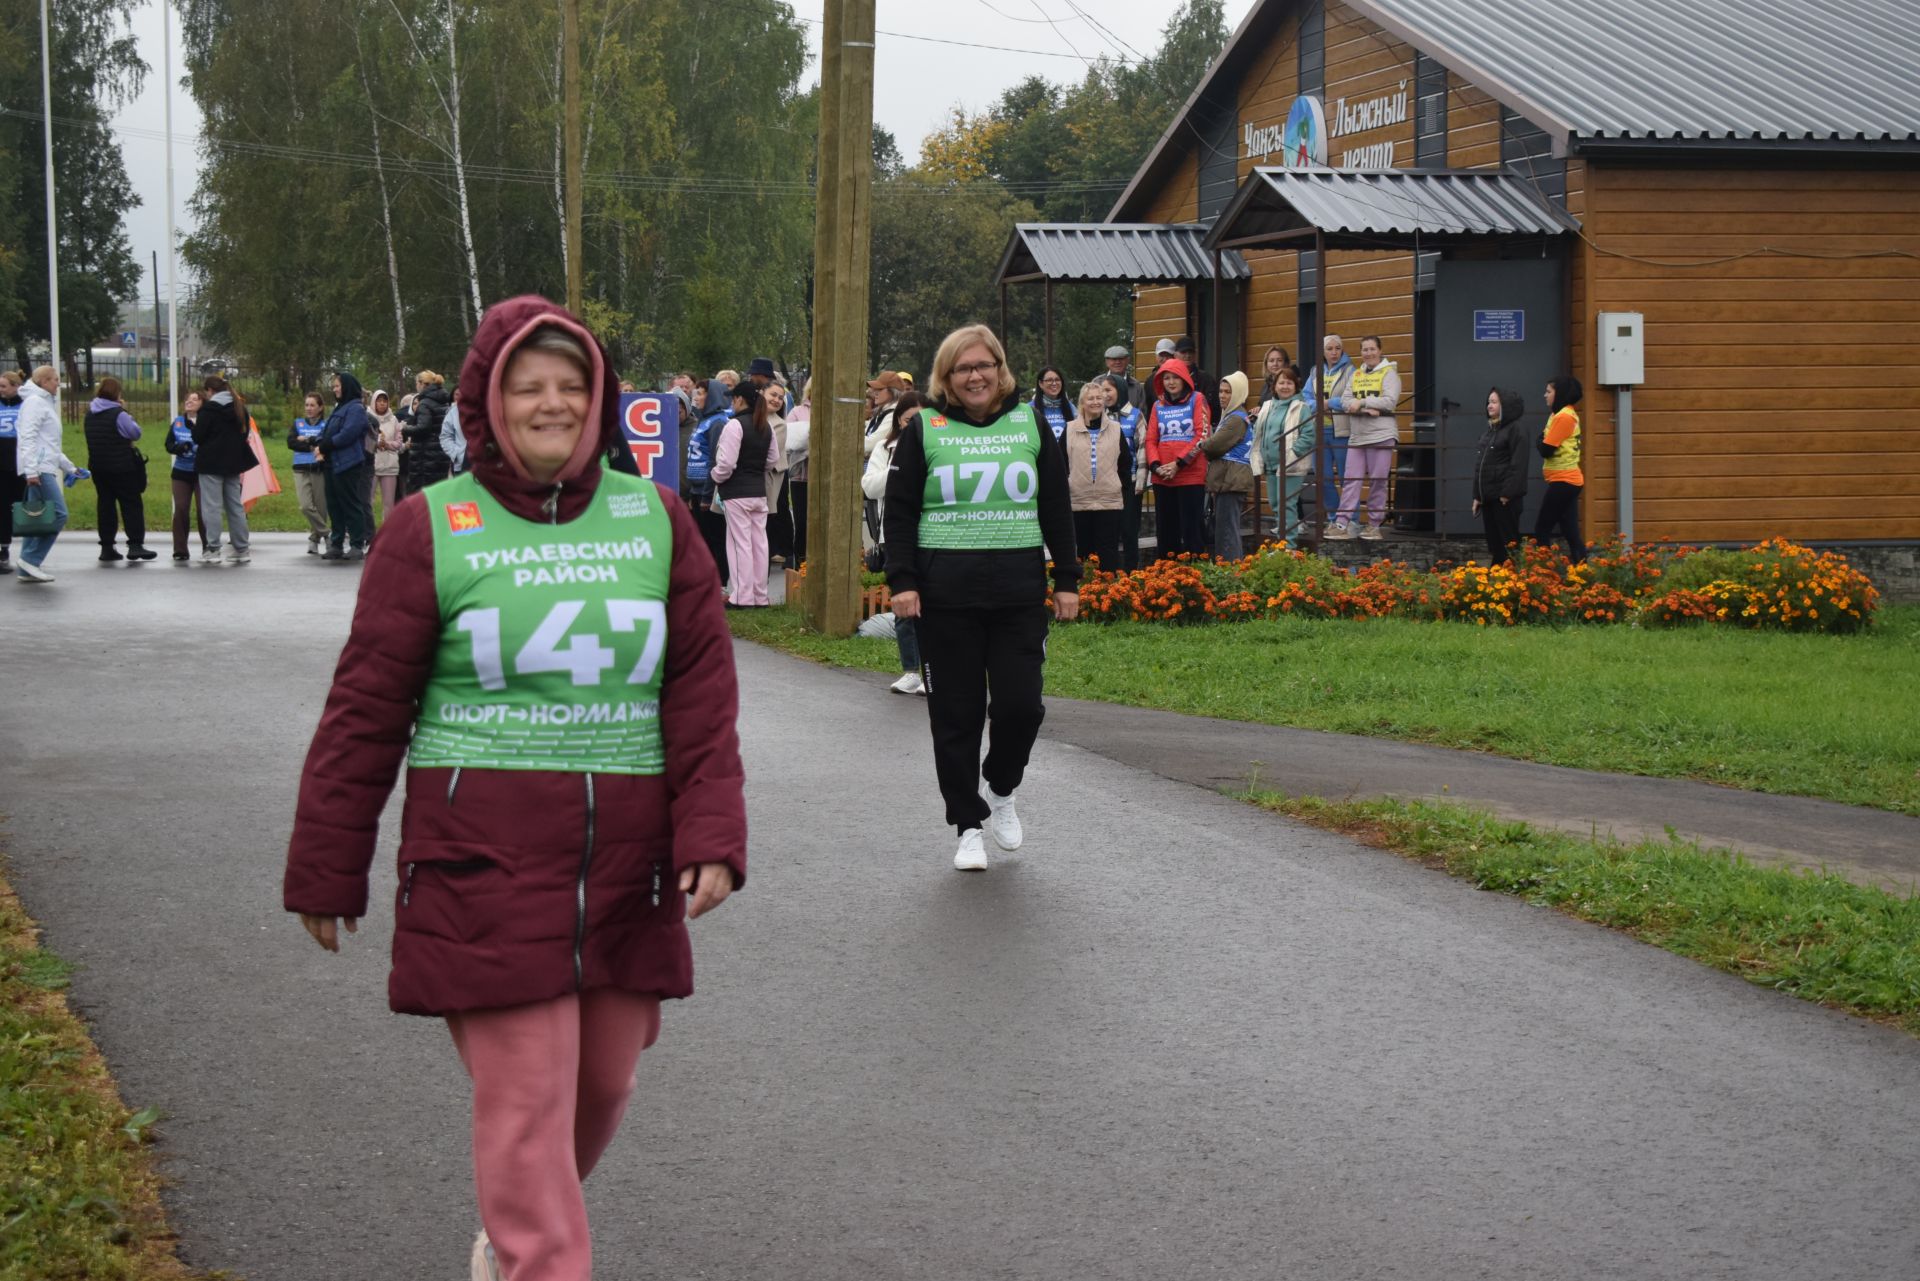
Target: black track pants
column 1502, row 523
column 1560, row 513
column 964, row 654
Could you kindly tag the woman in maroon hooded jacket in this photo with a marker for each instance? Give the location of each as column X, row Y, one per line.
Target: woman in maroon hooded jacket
column 1177, row 426
column 541, row 640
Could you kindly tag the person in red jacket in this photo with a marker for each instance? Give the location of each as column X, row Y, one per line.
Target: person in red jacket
column 1176, row 427
column 540, row 640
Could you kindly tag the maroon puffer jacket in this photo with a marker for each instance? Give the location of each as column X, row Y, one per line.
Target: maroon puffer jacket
column 520, row 886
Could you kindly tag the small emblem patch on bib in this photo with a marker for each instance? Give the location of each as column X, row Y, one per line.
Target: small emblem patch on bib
column 464, row 518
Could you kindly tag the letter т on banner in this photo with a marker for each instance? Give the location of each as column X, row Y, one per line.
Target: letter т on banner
column 650, row 421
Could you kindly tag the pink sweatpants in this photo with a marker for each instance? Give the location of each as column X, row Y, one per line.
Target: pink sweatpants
column 550, row 1084
column 747, row 550
column 1370, row 463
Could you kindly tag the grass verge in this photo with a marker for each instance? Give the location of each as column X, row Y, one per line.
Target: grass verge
column 1803, row 715
column 1816, row 936
column 79, row 1198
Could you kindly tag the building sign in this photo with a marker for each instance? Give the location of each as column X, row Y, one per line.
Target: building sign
column 129, row 338
column 1499, row 326
column 1302, row 141
column 651, row 423
column 1365, row 116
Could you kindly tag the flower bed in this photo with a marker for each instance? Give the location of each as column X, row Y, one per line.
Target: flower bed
column 1775, row 585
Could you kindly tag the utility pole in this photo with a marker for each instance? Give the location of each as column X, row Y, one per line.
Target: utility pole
column 570, row 64
column 53, row 241
column 843, row 257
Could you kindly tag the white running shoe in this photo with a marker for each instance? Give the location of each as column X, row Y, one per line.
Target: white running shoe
column 1002, row 822
column 972, row 854
column 241, row 558
column 210, row 556
column 909, row 683
column 485, row 1266
column 33, row 572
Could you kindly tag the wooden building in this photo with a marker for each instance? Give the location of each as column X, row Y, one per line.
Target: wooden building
column 1752, row 190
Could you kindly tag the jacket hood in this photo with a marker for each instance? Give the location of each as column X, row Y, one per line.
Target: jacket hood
column 435, row 393
column 100, row 402
column 1345, row 362
column 377, row 394
column 494, row 461
column 349, row 387
column 1178, row 367
column 1237, row 381
column 717, row 399
column 36, row 390
column 1511, row 406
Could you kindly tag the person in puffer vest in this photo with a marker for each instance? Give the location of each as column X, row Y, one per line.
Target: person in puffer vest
column 539, row 642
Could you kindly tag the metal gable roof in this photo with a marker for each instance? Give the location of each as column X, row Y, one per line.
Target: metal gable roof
column 1710, row 70
column 1123, row 253
column 1364, row 208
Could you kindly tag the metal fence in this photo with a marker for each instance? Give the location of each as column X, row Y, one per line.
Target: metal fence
column 143, row 386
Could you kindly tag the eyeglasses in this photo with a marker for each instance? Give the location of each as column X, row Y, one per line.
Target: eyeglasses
column 968, row 371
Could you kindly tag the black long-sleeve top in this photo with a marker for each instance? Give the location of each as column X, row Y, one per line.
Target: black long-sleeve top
column 976, row 579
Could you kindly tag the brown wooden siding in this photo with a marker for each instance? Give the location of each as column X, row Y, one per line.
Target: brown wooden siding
column 1781, row 391
column 1161, row 311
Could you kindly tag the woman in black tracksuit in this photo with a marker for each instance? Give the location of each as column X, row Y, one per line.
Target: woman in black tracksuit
column 976, row 499
column 1500, row 473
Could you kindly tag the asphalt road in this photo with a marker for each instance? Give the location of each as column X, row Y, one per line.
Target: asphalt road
column 1174, row 1037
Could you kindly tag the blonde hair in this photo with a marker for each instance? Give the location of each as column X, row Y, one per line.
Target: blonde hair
column 731, row 377
column 949, row 355
column 427, row 378
column 557, row 341
column 41, row 374
column 1098, row 390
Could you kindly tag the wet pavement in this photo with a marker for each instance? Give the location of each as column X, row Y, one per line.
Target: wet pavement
column 1173, row 1037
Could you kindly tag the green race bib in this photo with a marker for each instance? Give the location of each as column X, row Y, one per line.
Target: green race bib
column 552, row 637
column 983, row 483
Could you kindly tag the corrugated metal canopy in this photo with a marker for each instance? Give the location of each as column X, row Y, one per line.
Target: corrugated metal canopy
column 1650, row 70
column 1382, row 208
column 1117, row 253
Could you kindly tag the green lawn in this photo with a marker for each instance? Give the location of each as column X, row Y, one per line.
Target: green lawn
column 1814, row 935
column 79, row 1200
column 1810, row 715
column 279, row 511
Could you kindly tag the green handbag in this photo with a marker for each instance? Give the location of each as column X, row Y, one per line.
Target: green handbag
column 30, row 520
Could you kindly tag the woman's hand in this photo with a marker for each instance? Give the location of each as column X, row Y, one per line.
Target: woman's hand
column 1066, row 606
column 709, row 883
column 1476, row 508
column 906, row 604
column 325, row 929
column 1166, row 471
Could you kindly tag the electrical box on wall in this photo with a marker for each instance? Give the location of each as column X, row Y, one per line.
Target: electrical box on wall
column 1623, row 353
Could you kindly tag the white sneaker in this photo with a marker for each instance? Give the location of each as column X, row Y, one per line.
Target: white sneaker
column 33, row 573
column 909, row 683
column 242, row 558
column 1002, row 823
column 210, row 556
column 972, row 854
column 485, row 1267
column 1339, row 529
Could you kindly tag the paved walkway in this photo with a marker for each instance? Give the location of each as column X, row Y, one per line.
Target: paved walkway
column 1175, row 1037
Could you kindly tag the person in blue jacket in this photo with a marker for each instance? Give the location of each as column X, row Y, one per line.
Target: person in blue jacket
column 185, row 478
column 350, row 472
column 10, row 486
column 712, row 404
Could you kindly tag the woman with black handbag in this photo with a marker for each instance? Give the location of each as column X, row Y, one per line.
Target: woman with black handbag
column 119, row 473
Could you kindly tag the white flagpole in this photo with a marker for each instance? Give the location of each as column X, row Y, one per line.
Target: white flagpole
column 53, row 243
column 173, row 288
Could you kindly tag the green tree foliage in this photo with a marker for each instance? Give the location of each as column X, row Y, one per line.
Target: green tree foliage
column 699, row 148
column 1054, row 153
column 96, row 70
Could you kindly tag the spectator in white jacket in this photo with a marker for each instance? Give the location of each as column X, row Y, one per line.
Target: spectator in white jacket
column 42, row 468
column 873, row 484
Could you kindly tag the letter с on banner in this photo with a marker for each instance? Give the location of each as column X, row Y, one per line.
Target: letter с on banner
column 650, row 421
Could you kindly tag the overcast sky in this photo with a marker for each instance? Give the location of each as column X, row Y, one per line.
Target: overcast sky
column 916, row 82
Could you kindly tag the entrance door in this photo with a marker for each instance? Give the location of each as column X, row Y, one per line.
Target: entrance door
column 1496, row 324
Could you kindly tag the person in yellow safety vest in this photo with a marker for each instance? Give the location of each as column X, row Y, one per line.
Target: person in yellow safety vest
column 1373, row 393
column 1559, row 447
